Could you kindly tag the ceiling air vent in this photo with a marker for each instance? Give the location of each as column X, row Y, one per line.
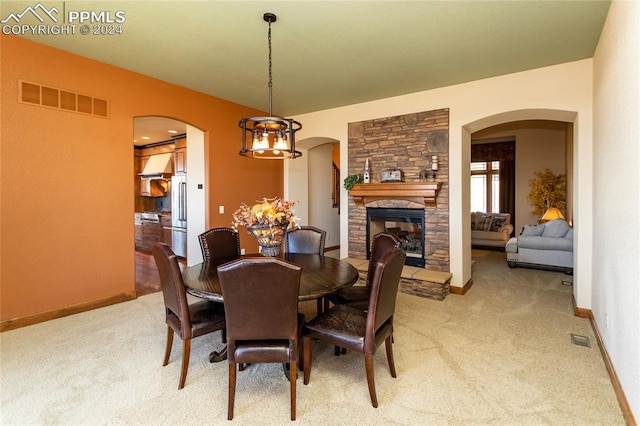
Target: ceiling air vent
column 51, row 97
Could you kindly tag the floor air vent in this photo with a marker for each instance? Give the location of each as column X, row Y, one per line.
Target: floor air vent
column 578, row 340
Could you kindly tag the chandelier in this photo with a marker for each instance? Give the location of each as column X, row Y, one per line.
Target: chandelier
column 270, row 137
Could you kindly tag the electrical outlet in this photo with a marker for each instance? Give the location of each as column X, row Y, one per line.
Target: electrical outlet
column 606, row 321
column 242, row 251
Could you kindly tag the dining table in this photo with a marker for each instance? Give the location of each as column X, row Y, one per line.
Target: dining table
column 320, row 276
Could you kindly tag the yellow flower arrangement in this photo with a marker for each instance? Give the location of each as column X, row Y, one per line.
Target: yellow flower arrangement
column 267, row 222
column 270, row 211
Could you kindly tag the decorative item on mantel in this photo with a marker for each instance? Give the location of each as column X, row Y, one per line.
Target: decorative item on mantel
column 365, row 175
column 263, row 130
column 434, row 167
column 351, row 180
column 267, row 222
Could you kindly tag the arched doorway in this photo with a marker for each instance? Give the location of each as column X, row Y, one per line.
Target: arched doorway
column 314, row 186
column 167, row 137
column 571, row 154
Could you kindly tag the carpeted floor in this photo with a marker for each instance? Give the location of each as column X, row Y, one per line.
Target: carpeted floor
column 501, row 354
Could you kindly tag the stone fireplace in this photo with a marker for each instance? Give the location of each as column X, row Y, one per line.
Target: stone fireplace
column 405, row 142
column 406, row 224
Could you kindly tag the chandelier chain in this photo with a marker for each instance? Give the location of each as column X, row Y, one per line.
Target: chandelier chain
column 270, row 72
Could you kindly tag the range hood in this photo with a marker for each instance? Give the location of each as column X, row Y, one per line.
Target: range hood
column 158, row 166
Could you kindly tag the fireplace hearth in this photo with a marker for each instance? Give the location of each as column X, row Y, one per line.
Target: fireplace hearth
column 406, row 224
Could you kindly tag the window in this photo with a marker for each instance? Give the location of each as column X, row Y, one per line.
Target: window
column 485, row 186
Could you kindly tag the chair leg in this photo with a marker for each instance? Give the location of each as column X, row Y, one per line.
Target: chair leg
column 232, row 390
column 368, row 364
column 167, row 350
column 293, row 375
column 319, row 306
column 306, row 344
column 186, row 354
column 389, row 347
column 300, row 353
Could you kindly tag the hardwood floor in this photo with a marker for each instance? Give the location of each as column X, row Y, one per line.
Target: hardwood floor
column 147, row 278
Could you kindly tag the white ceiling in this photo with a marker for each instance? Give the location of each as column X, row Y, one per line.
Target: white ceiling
column 149, row 130
column 332, row 53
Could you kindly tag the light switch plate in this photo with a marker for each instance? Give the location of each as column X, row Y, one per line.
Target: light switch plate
column 221, row 209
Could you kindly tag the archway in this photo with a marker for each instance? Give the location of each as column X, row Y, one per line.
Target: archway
column 572, row 148
column 313, row 185
column 159, row 134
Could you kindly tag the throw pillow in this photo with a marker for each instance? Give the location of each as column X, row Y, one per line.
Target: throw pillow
column 532, row 230
column 556, row 228
column 497, row 222
column 473, row 221
column 484, row 222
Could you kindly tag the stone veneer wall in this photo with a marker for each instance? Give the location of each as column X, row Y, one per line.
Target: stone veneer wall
column 406, row 142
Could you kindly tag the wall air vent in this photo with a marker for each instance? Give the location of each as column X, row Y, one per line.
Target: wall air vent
column 36, row 94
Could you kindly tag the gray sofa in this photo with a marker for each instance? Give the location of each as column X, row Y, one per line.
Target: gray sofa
column 546, row 246
column 490, row 230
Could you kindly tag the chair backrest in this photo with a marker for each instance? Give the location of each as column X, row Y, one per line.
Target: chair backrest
column 381, row 244
column 384, row 291
column 173, row 290
column 219, row 243
column 260, row 298
column 305, row 239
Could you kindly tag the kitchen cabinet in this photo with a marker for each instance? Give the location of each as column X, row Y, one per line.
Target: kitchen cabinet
column 151, row 234
column 138, row 230
column 180, row 156
column 165, row 221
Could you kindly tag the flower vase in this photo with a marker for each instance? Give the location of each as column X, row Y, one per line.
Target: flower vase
column 269, row 237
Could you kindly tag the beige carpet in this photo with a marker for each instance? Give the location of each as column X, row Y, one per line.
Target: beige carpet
column 501, row 354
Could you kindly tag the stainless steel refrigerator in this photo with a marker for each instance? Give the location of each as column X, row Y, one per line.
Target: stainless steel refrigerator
column 179, row 215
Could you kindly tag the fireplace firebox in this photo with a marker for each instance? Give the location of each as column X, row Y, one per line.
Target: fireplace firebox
column 406, row 224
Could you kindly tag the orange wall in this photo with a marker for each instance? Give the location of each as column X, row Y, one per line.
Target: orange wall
column 66, row 200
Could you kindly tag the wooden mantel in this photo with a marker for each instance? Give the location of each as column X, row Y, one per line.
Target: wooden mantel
column 417, row 192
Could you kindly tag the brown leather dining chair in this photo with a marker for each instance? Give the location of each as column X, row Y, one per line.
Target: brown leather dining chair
column 358, row 296
column 362, row 331
column 259, row 332
column 188, row 321
column 306, row 240
column 219, row 243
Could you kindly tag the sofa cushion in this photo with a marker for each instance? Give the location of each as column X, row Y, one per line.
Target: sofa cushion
column 545, row 243
column 488, row 235
column 556, row 228
column 498, row 221
column 483, row 221
column 532, row 230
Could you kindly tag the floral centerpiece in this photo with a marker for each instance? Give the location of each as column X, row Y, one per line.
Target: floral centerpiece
column 266, row 221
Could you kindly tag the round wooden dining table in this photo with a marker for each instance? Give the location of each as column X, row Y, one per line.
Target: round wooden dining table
column 320, row 277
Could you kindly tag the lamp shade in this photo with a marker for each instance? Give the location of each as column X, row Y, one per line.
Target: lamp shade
column 552, row 213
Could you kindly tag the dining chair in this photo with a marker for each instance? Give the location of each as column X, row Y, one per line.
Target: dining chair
column 259, row 332
column 358, row 296
column 187, row 320
column 361, row 331
column 306, row 240
column 219, row 243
